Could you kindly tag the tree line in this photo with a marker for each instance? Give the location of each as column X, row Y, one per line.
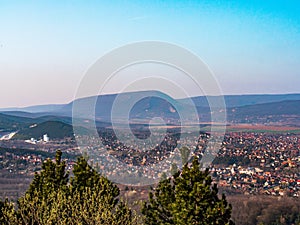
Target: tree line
column 87, row 197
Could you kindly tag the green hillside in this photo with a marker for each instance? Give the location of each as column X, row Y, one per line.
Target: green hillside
column 54, row 129
column 12, row 123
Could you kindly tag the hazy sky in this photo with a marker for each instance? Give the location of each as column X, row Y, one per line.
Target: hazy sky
column 47, row 46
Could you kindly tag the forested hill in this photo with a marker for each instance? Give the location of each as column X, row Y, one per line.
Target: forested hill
column 54, row 129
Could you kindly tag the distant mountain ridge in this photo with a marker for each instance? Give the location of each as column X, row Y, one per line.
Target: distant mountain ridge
column 286, row 112
column 245, row 100
column 230, row 101
column 240, row 109
column 35, row 108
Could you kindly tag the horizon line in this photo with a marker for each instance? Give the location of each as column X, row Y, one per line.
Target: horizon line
column 128, row 92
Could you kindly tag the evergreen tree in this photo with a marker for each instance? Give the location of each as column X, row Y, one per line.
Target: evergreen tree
column 40, row 197
column 88, row 198
column 185, row 154
column 174, row 169
column 188, row 197
column 53, row 176
column 85, row 176
column 7, row 213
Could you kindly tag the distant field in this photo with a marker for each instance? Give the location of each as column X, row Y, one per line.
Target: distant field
column 240, row 128
column 262, row 128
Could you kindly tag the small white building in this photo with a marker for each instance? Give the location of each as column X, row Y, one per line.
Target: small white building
column 45, row 138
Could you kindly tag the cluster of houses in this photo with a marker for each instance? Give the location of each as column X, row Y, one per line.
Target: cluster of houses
column 251, row 163
column 265, row 163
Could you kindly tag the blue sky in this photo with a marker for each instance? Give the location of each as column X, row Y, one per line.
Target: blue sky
column 47, row 46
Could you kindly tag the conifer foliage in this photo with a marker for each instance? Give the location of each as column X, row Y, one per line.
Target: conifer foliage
column 88, row 198
column 189, row 197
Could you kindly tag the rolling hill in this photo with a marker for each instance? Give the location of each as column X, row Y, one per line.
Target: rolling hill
column 54, row 129
column 35, row 108
column 240, row 109
column 287, row 112
column 245, row 100
column 13, row 123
